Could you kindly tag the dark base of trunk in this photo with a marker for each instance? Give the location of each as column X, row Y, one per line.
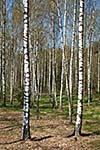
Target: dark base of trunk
column 26, row 133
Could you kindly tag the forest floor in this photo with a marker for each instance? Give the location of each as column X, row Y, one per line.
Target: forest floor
column 47, row 133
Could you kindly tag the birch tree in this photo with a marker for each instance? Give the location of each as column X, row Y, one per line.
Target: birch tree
column 3, row 53
column 71, row 59
column 0, row 44
column 12, row 71
column 76, row 65
column 33, row 59
column 72, row 50
column 99, row 68
column 26, row 118
column 50, row 73
column 53, row 60
column 63, row 43
column 89, row 67
column 90, row 43
column 37, row 77
column 78, row 123
column 12, row 63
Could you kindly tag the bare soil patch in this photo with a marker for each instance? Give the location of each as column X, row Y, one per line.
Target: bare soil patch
column 47, row 134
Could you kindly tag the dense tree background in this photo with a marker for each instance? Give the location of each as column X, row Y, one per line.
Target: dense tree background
column 50, row 52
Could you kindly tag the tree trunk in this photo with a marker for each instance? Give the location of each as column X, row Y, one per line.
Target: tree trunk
column 63, row 43
column 76, row 71
column 50, row 71
column 41, row 76
column 12, row 72
column 53, row 67
column 68, row 94
column 33, row 77
column 37, row 76
column 72, row 56
column 3, row 70
column 26, row 119
column 78, row 124
column 1, row 51
column 11, row 84
column 89, row 67
column 99, row 69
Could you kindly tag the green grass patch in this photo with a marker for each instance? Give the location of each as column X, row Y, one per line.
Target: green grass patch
column 91, row 115
column 91, row 118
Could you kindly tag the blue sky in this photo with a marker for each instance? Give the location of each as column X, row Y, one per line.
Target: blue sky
column 98, row 3
column 9, row 3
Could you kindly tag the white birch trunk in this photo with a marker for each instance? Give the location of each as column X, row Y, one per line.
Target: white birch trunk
column 21, row 74
column 3, row 72
column 44, row 80
column 71, row 64
column 98, row 88
column 12, row 73
column 11, row 83
column 99, row 69
column 76, row 71
column 78, row 124
column 32, row 67
column 72, row 53
column 54, row 101
column 1, row 51
column 26, row 117
column 12, row 66
column 41, row 78
column 63, row 56
column 63, row 43
column 50, row 66
column 33, row 78
column 68, row 94
column 89, row 67
column 37, row 78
